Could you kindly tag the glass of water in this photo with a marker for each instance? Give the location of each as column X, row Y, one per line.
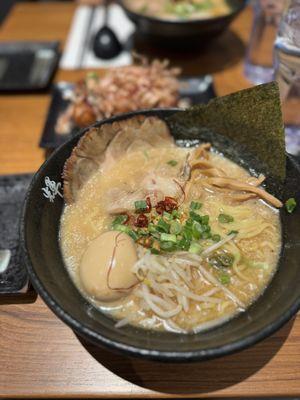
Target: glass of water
column 287, row 74
column 259, row 58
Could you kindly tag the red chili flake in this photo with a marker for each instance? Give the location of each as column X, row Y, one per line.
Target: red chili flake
column 149, row 206
column 160, row 207
column 170, row 204
column 141, row 221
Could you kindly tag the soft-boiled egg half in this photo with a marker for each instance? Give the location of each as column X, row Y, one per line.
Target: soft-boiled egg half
column 106, row 266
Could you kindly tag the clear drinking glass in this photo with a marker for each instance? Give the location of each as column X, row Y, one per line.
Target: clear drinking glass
column 287, row 74
column 259, row 58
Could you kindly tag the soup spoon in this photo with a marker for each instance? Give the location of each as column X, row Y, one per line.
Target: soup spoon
column 106, row 44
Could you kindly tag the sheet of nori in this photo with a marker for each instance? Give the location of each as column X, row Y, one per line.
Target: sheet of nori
column 250, row 117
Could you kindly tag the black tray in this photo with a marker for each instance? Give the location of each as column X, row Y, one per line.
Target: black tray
column 27, row 66
column 14, row 279
column 195, row 89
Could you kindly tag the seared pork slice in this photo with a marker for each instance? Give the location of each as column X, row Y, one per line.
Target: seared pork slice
column 100, row 148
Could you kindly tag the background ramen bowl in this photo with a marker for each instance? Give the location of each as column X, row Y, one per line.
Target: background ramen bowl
column 179, row 32
column 39, row 235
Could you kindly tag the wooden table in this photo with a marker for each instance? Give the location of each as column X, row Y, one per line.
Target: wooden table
column 40, row 356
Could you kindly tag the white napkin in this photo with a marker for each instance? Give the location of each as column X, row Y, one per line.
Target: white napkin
column 86, row 21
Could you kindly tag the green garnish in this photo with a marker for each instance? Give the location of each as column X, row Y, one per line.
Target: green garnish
column 167, row 246
column 167, row 237
column 142, row 232
column 260, row 265
column 167, row 215
column 153, row 231
column 140, row 205
column 232, row 232
column 173, row 163
column 205, row 219
column 146, row 154
column 187, row 233
column 127, row 230
column 162, row 226
column 195, row 205
column 197, row 230
column 206, row 235
column 196, row 217
column 290, row 205
column 175, row 227
column 216, row 238
column 225, row 218
column 175, row 214
column 224, row 279
column 119, row 220
column 154, row 251
column 195, row 248
column 221, row 259
column 183, row 244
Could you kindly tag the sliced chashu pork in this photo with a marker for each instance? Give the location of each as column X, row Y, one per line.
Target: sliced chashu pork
column 102, row 147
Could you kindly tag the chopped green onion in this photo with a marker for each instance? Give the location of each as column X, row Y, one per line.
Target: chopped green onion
column 205, row 219
column 146, row 154
column 140, row 205
column 175, row 214
column 175, row 227
column 195, row 217
column 167, row 246
column 142, row 232
column 224, row 279
column 195, row 248
column 127, row 230
column 119, row 220
column 189, row 222
column 183, row 244
column 232, row 232
column 167, row 237
column 162, row 226
column 206, row 228
column 225, row 218
column 197, row 230
column 216, row 238
column 173, row 163
column 187, row 233
column 221, row 260
column 121, row 228
column 206, row 235
column 133, row 234
column 167, row 215
column 260, row 265
column 290, row 205
column 195, row 205
column 154, row 251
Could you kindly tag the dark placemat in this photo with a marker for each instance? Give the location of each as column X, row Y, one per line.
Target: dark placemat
column 27, row 66
column 13, row 279
column 194, row 89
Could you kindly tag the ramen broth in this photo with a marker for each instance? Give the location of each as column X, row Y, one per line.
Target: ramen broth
column 171, row 9
column 182, row 290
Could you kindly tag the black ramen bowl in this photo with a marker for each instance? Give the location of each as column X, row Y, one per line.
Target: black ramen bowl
column 39, row 236
column 179, row 32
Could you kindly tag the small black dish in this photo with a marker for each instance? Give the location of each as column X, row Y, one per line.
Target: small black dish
column 182, row 33
column 193, row 89
column 39, row 240
column 27, row 66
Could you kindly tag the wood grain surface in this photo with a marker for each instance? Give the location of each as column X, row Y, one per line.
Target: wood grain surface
column 42, row 357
